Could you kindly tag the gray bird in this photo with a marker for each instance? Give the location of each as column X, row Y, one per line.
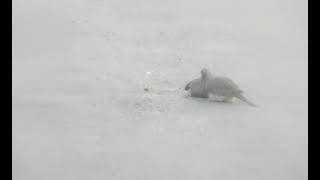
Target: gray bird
column 215, row 85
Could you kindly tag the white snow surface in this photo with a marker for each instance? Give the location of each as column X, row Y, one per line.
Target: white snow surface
column 80, row 111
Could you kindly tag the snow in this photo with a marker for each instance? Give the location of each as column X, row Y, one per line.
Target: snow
column 80, row 110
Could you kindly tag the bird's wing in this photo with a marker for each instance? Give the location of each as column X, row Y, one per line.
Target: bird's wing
column 228, row 83
column 224, row 86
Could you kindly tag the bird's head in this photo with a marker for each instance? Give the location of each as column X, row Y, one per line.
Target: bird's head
column 205, row 73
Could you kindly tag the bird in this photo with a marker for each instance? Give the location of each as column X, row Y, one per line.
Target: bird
column 220, row 86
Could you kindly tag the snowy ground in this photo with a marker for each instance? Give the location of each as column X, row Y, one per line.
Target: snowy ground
column 80, row 112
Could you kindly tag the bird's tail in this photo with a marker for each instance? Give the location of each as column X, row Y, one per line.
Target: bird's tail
column 242, row 98
column 187, row 86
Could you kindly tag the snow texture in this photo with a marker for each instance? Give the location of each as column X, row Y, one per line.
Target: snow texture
column 80, row 111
